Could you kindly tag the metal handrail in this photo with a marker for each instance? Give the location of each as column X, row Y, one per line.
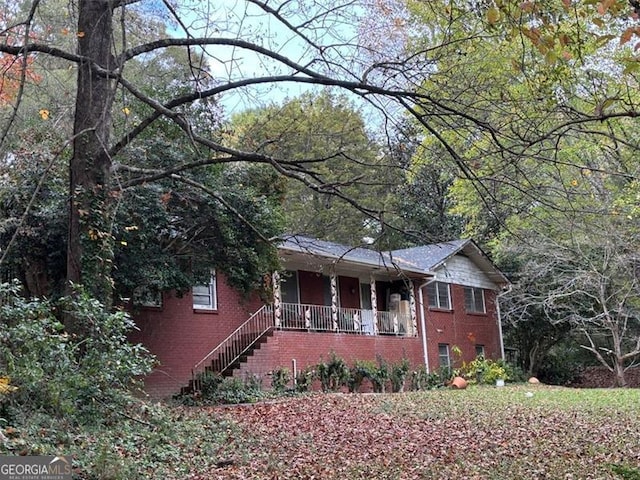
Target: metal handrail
column 320, row 318
column 239, row 341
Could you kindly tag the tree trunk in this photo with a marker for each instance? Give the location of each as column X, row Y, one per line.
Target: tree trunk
column 621, row 380
column 90, row 243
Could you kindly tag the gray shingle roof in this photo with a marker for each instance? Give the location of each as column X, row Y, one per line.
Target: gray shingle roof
column 429, row 257
column 422, row 260
column 338, row 252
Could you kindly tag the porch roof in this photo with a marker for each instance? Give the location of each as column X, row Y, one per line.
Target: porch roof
column 420, row 261
column 299, row 248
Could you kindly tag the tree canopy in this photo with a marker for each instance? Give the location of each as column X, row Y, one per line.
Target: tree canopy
column 521, row 119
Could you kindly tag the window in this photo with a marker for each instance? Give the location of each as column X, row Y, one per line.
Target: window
column 480, row 351
column 474, row 300
column 443, row 355
column 205, row 296
column 438, row 295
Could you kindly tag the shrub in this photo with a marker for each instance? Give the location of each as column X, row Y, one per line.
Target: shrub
column 483, row 371
column 361, row 370
column 216, row 389
column 487, row 372
column 84, row 380
column 280, row 379
column 398, row 375
column 380, row 375
column 423, row 380
column 304, row 380
column 333, row 374
column 209, row 383
column 236, row 390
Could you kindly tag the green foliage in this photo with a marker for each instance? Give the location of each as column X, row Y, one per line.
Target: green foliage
column 37, row 255
column 361, row 370
column 165, row 232
column 626, row 472
column 304, row 380
column 423, row 380
column 280, row 379
column 398, row 375
column 208, row 383
column 83, row 380
column 333, row 374
column 563, row 363
column 328, row 135
column 484, row 371
column 380, row 375
column 216, row 389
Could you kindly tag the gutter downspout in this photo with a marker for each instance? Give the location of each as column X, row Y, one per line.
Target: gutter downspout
column 423, row 326
column 501, row 294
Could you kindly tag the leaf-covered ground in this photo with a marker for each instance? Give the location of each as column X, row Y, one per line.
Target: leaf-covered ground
column 478, row 433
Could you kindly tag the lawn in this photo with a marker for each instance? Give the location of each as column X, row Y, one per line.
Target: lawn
column 515, row 432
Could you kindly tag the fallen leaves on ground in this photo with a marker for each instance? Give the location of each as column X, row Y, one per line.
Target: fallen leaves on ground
column 480, row 433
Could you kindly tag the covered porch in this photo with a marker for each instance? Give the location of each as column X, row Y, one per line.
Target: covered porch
column 325, row 288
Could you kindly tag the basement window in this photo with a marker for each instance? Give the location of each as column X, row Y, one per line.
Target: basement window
column 444, row 358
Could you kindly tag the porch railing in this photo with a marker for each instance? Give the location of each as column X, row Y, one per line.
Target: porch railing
column 294, row 316
column 236, row 344
column 320, row 318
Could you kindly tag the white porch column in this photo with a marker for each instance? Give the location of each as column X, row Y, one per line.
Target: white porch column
column 277, row 299
column 334, row 301
column 412, row 309
column 374, row 304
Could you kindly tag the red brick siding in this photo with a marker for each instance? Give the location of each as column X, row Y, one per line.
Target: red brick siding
column 180, row 336
column 308, row 349
column 464, row 330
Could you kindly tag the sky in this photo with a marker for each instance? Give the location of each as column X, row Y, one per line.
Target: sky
column 246, row 21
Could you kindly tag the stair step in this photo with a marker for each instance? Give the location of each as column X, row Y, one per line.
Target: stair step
column 238, row 344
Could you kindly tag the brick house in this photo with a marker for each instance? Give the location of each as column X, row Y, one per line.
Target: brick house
column 416, row 303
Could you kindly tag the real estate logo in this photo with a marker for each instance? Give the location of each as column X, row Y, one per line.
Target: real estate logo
column 35, row 468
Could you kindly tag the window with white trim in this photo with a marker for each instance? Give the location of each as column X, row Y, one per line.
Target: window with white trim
column 444, row 359
column 205, row 297
column 480, row 351
column 439, row 296
column 474, row 300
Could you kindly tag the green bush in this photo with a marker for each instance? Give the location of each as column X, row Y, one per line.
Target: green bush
column 380, row 375
column 398, row 375
column 361, row 370
column 216, row 389
column 280, row 379
column 487, row 372
column 209, row 383
column 333, row 374
column 304, row 380
column 84, row 380
column 559, row 367
column 422, row 380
